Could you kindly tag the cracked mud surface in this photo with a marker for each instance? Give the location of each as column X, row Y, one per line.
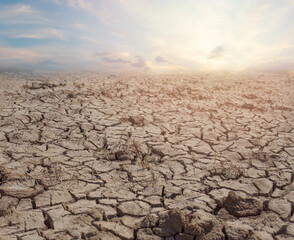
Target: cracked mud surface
column 147, row 157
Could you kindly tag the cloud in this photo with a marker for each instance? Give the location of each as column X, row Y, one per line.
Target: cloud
column 37, row 59
column 216, row 53
column 30, row 66
column 95, row 8
column 254, row 11
column 89, row 39
column 104, row 15
column 48, row 62
column 275, row 66
column 21, row 13
column 139, row 62
column 160, row 59
column 42, row 33
column 18, row 54
column 114, row 57
column 21, row 9
column 83, row 4
column 16, row 68
column 24, row 60
column 123, row 58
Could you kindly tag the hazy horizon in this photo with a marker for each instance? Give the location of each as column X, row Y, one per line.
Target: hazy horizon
column 156, row 36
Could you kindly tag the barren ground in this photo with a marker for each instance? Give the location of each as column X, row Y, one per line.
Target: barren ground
column 147, row 157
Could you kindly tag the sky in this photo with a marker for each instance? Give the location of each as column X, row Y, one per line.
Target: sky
column 147, row 35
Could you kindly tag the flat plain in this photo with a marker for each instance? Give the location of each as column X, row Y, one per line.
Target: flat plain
column 147, row 156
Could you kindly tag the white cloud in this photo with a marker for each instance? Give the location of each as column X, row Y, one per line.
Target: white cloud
column 23, row 9
column 90, row 39
column 55, row 33
column 19, row 9
column 95, row 8
column 8, row 53
column 122, row 59
column 103, row 14
column 21, row 13
column 84, row 4
column 39, row 33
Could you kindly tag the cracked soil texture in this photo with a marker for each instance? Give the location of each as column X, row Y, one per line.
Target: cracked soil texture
column 147, row 157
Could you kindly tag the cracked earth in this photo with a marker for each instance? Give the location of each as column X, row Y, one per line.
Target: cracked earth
column 147, row 157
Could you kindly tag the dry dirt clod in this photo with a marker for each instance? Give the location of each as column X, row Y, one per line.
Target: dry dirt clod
column 242, row 207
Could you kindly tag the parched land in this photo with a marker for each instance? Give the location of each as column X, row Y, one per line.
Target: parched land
column 147, row 157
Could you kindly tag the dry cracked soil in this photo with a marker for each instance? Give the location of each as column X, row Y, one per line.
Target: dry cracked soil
column 147, row 157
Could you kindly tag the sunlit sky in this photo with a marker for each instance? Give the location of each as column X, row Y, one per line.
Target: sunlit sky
column 148, row 35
